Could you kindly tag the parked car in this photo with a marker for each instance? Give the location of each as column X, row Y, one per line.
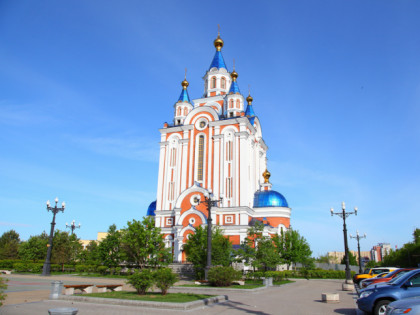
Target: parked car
column 404, row 306
column 396, row 273
column 373, row 272
column 376, row 297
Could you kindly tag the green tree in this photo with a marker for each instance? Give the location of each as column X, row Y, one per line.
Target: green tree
column 196, row 249
column 109, row 248
column 352, row 260
column 65, row 248
column 143, row 244
column 326, row 259
column 259, row 251
column 406, row 256
column 92, row 253
column 293, row 248
column 9, row 244
column 35, row 248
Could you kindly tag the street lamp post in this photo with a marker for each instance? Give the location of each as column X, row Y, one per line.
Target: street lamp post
column 358, row 237
column 46, row 269
column 72, row 226
column 343, row 214
column 209, row 202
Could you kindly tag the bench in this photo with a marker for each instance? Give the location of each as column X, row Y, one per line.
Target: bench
column 69, row 288
column 113, row 287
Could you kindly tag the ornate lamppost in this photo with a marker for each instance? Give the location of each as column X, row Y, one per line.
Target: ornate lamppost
column 46, row 269
column 210, row 202
column 343, row 214
column 358, row 237
column 72, row 226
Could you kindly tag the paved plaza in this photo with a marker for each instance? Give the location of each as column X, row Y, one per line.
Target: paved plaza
column 30, row 295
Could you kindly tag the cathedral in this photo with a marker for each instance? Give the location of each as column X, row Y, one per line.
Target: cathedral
column 215, row 147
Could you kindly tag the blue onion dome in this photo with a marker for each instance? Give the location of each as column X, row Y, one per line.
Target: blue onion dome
column 269, row 198
column 218, row 61
column 152, row 208
column 184, row 97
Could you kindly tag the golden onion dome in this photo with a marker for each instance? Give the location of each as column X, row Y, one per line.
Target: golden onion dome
column 218, row 43
column 234, row 75
column 266, row 176
column 185, row 84
column 249, row 99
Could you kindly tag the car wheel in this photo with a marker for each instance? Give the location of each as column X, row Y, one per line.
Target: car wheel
column 380, row 307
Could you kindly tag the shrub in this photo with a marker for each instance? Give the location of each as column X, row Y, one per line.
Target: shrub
column 3, row 286
column 81, row 268
column 102, row 270
column 223, row 276
column 164, row 279
column 141, row 280
column 8, row 263
column 118, row 270
column 21, row 267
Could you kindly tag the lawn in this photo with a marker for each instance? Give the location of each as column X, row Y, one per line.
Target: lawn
column 150, row 296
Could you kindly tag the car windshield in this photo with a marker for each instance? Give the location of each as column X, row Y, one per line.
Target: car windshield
column 392, row 273
column 366, row 271
column 400, row 279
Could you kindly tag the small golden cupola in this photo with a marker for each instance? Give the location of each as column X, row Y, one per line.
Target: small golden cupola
column 183, row 106
column 266, row 176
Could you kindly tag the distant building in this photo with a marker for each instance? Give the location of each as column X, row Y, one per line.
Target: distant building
column 100, row 236
column 378, row 252
column 337, row 257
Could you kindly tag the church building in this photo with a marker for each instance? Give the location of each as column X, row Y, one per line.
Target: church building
column 215, row 147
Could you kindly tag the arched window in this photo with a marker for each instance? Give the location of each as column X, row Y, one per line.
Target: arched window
column 213, row 83
column 230, row 103
column 185, row 111
column 200, row 158
column 179, row 111
column 229, row 150
column 223, row 83
column 238, row 104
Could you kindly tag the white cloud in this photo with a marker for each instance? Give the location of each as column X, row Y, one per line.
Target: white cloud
column 12, row 224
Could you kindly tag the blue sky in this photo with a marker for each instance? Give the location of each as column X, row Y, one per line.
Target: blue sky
column 85, row 86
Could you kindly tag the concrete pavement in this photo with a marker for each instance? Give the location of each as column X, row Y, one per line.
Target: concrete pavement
column 299, row 298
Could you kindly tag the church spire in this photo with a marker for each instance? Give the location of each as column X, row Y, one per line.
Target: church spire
column 218, row 61
column 184, row 97
column 249, row 112
column 234, row 88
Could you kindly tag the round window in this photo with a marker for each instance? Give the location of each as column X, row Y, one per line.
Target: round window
column 195, row 200
column 201, row 124
column 192, row 220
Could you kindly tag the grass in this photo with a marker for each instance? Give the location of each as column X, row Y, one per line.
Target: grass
column 151, row 296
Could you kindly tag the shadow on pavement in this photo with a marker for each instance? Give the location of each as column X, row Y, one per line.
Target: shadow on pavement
column 347, row 311
column 237, row 306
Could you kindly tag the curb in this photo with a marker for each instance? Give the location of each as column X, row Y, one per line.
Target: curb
column 158, row 305
column 210, row 289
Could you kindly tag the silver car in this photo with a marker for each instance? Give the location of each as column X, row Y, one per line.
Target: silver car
column 405, row 306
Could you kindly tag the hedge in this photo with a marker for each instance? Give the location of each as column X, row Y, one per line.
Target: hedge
column 303, row 273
